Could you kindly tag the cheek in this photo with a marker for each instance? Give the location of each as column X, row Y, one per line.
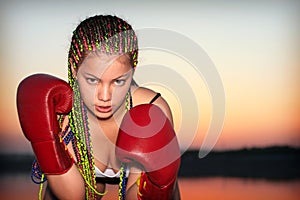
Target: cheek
column 87, row 92
column 119, row 94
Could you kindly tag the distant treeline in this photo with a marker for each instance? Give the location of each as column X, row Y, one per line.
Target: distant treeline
column 268, row 163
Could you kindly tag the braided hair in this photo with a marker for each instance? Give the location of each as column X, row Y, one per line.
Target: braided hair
column 105, row 34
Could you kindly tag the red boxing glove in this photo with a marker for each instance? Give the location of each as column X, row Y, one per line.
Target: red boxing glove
column 147, row 137
column 39, row 98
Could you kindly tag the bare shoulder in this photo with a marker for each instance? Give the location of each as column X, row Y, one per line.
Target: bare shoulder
column 142, row 95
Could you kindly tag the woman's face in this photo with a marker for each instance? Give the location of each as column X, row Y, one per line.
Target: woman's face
column 104, row 81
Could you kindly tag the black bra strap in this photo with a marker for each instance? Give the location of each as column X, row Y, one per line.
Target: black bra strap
column 154, row 98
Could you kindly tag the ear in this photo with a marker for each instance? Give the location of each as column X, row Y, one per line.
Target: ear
column 74, row 71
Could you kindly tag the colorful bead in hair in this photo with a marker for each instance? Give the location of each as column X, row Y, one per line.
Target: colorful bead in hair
column 107, row 34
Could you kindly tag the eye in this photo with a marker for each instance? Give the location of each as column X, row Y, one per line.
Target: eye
column 119, row 82
column 92, row 81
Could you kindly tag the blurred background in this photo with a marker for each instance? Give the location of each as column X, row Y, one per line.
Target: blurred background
column 254, row 46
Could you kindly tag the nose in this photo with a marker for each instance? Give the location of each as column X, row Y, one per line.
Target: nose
column 104, row 92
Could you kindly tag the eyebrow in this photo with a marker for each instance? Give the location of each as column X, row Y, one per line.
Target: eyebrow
column 86, row 73
column 125, row 75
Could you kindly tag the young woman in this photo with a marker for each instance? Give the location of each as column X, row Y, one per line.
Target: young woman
column 87, row 133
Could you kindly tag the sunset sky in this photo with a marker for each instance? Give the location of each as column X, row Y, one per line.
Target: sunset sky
column 254, row 47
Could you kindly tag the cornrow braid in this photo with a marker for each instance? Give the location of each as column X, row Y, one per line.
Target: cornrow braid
column 106, row 34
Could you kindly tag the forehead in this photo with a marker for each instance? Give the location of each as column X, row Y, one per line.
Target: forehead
column 100, row 63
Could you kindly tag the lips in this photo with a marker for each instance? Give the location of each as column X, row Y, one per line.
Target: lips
column 103, row 109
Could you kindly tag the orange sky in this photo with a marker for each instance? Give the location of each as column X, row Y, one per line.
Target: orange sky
column 253, row 46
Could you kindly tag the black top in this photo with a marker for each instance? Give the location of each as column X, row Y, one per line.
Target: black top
column 154, row 98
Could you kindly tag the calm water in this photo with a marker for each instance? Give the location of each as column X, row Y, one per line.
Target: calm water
column 16, row 187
